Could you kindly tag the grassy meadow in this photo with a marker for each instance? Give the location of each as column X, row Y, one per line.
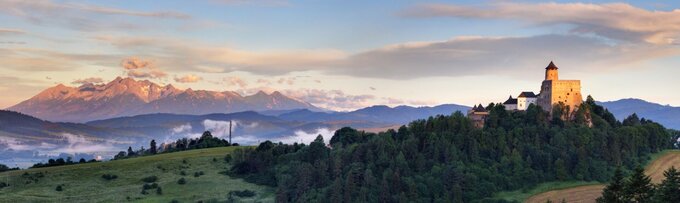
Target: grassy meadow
column 84, row 182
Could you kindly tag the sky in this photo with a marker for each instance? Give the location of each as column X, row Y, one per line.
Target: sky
column 345, row 54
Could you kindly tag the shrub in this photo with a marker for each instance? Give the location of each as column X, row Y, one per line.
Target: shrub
column 3, row 185
column 159, row 191
column 150, row 179
column 174, row 201
column 183, row 173
column 227, row 158
column 214, row 159
column 243, row 193
column 181, row 181
column 198, row 173
column 149, row 186
column 59, row 188
column 109, row 176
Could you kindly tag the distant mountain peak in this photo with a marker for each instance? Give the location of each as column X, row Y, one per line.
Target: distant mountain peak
column 127, row 96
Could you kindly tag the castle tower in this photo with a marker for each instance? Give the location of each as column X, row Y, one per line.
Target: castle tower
column 555, row 91
column 551, row 72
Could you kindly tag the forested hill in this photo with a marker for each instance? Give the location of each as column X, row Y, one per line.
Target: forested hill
column 445, row 159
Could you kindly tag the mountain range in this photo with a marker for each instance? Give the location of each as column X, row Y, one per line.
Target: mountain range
column 128, row 97
column 667, row 115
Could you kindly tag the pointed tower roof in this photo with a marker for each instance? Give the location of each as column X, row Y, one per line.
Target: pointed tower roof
column 551, row 66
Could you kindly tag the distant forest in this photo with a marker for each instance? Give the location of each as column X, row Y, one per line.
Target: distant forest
column 446, row 159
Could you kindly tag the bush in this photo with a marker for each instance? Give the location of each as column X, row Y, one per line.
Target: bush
column 181, row 181
column 109, row 176
column 149, row 186
column 159, row 191
column 59, row 188
column 227, row 158
column 150, row 179
column 243, row 193
column 174, row 201
column 3, row 185
column 199, row 173
column 183, row 173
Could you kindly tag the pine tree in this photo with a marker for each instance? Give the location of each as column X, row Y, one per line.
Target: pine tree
column 152, row 147
column 638, row 188
column 130, row 152
column 613, row 193
column 669, row 189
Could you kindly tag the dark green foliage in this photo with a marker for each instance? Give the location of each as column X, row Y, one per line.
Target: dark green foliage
column 4, row 168
column 198, row 173
column 159, row 191
column 174, row 201
column 109, row 176
column 183, row 173
column 59, row 188
column 613, row 193
column 148, row 186
column 242, row 193
column 59, row 162
column 150, row 179
column 152, row 147
column 639, row 187
column 446, row 159
column 182, row 181
column 669, row 189
column 3, row 185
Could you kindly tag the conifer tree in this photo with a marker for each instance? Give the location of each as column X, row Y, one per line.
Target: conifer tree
column 638, row 188
column 613, row 193
column 669, row 189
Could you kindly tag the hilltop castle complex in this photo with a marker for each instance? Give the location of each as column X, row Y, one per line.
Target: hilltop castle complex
column 553, row 91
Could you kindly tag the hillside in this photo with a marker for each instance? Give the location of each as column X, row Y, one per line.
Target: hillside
column 589, row 193
column 127, row 97
column 668, row 116
column 84, row 182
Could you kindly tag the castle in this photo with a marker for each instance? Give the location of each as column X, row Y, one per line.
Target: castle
column 553, row 91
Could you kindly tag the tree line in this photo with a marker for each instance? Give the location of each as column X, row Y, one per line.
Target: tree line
column 446, row 159
column 638, row 188
column 205, row 141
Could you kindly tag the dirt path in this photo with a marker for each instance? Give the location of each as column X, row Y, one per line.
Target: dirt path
column 588, row 193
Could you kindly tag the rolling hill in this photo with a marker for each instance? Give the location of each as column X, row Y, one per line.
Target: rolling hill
column 84, row 182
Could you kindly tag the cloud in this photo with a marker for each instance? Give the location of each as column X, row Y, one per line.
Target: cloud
column 181, row 129
column 221, row 128
column 618, row 21
column 139, row 68
column 289, row 80
column 175, row 54
column 87, row 81
column 264, row 81
column 331, row 99
column 84, row 17
column 36, row 59
column 190, row 78
column 254, row 2
column 305, row 137
column 506, row 56
column 9, row 31
column 236, row 81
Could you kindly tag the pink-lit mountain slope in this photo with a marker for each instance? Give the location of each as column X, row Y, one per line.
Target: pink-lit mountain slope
column 128, row 97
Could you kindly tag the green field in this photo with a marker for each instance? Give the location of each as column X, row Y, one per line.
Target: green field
column 84, row 182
